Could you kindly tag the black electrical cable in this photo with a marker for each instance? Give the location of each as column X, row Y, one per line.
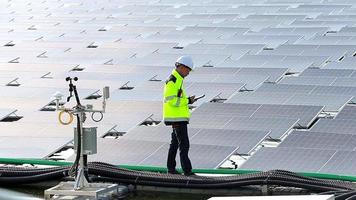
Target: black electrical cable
column 76, row 94
column 74, row 169
column 351, row 198
column 345, row 196
column 13, row 172
column 107, row 172
column 34, row 178
column 183, row 181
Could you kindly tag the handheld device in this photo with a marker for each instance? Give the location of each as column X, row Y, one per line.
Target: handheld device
column 199, row 97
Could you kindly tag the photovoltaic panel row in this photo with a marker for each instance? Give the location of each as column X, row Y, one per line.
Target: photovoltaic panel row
column 308, row 89
column 349, row 48
column 305, row 114
column 328, row 72
column 246, row 140
column 319, row 140
column 292, row 159
column 263, row 59
column 202, row 156
column 294, row 63
column 307, row 80
column 123, row 151
column 250, row 81
column 342, row 162
column 278, row 127
column 341, row 126
column 273, row 74
column 30, row 147
column 345, row 82
column 334, row 55
column 331, row 102
column 226, row 109
column 307, row 32
column 138, row 152
column 335, row 90
column 322, row 81
column 346, row 63
column 285, row 88
column 252, row 48
column 348, row 112
column 330, row 40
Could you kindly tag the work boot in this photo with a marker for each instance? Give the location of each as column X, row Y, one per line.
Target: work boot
column 189, row 174
column 173, row 172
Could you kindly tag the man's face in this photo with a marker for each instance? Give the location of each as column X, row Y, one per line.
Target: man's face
column 184, row 70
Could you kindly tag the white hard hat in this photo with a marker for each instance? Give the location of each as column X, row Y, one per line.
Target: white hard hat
column 186, row 61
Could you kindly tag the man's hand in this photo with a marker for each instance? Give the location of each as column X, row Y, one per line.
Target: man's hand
column 192, row 99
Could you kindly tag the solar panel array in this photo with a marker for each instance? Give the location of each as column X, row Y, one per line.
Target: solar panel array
column 267, row 67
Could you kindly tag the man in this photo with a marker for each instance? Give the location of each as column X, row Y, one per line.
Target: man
column 176, row 114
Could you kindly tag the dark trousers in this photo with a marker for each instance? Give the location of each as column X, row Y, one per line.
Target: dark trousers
column 179, row 140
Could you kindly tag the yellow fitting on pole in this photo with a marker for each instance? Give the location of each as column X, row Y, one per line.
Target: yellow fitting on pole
column 60, row 117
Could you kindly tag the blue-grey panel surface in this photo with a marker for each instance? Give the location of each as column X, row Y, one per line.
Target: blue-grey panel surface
column 319, row 140
column 348, row 112
column 342, row 126
column 291, row 159
column 201, row 156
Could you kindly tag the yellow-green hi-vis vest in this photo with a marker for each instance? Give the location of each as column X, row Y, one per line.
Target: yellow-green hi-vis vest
column 175, row 102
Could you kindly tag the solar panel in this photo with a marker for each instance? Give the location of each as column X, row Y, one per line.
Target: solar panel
column 331, row 102
column 334, row 90
column 327, row 72
column 274, row 74
column 30, row 147
column 348, row 112
column 250, row 81
column 260, row 98
column 246, row 140
column 285, row 88
column 319, row 140
column 213, row 71
column 342, row 162
column 308, row 80
column 305, row 114
column 226, row 109
column 292, row 159
column 334, row 55
column 201, row 156
column 123, row 151
column 278, row 126
column 209, row 121
column 342, row 126
column 346, row 82
column 307, row 32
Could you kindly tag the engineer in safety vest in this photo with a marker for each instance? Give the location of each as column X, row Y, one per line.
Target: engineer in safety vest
column 176, row 114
